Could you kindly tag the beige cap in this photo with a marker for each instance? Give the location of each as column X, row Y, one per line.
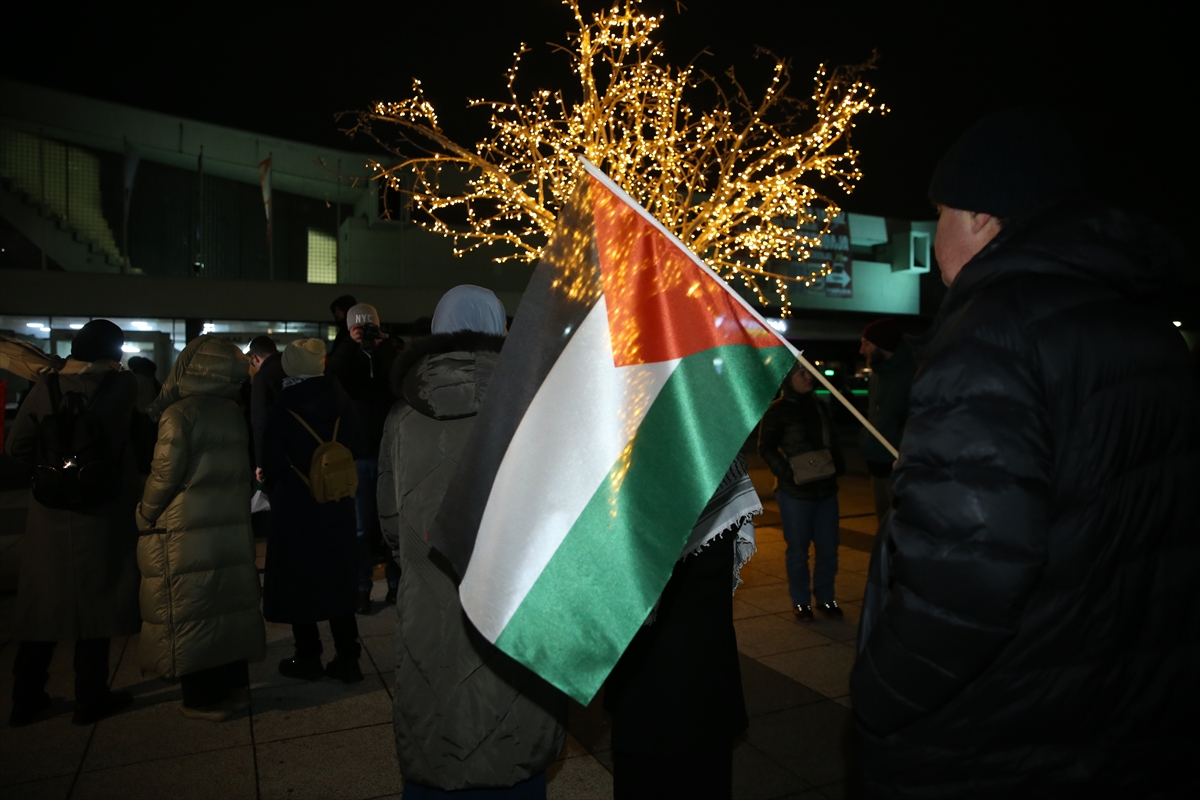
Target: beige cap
column 304, row 357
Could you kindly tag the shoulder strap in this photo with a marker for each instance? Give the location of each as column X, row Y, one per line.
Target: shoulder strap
column 51, row 436
column 55, row 392
column 824, row 425
column 308, row 428
column 108, row 379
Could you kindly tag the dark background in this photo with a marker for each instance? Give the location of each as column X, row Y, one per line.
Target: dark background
column 1120, row 75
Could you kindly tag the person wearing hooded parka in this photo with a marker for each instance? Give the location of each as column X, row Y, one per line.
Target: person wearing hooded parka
column 200, row 590
column 78, row 580
column 466, row 716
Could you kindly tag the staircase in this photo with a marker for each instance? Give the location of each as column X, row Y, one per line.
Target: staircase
column 50, row 192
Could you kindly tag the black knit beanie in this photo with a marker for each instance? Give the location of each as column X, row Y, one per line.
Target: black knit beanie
column 886, row 334
column 99, row 340
column 1008, row 164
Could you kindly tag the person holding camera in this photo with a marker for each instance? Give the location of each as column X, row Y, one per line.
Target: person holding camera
column 800, row 444
column 362, row 363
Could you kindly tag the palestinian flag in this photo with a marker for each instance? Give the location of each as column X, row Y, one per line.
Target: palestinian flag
column 631, row 378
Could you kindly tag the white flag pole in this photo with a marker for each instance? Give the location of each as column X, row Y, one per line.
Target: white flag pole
column 595, row 171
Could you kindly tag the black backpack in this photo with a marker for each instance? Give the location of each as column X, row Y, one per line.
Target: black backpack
column 75, row 468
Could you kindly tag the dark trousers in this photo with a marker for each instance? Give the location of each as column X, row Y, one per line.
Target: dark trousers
column 207, row 687
column 370, row 536
column 30, row 670
column 676, row 694
column 705, row 774
column 883, row 486
column 810, row 523
column 345, row 637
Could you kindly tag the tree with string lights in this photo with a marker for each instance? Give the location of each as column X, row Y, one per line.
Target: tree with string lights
column 729, row 173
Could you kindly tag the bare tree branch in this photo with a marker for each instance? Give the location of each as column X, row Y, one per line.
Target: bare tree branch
column 731, row 177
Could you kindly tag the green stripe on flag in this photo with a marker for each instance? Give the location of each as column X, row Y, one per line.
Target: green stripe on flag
column 600, row 584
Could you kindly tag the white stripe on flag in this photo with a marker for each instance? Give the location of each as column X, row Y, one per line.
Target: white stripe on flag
column 586, row 412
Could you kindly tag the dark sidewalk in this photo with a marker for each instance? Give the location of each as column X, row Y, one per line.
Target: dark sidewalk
column 310, row 740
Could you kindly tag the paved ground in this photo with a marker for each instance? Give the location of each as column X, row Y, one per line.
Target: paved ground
column 328, row 740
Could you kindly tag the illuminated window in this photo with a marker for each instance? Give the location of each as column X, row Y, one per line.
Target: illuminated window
column 322, row 257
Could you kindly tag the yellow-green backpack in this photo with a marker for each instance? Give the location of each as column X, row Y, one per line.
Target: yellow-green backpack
column 332, row 475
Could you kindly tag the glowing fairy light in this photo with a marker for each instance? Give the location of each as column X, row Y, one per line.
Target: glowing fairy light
column 730, row 176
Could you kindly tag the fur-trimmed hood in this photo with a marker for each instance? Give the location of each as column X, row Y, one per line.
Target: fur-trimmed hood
column 445, row 376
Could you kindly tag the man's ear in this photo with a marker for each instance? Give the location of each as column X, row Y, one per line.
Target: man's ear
column 979, row 221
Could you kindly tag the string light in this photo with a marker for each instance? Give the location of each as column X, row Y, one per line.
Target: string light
column 730, row 179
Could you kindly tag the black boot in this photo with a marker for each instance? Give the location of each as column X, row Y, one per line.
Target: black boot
column 345, row 668
column 364, row 603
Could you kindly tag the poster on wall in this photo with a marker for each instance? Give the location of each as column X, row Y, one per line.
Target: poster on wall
column 834, row 251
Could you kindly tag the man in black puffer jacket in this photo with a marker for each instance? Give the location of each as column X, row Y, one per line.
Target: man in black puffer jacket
column 1032, row 622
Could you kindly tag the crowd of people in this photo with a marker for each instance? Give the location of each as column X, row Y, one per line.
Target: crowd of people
column 1030, row 625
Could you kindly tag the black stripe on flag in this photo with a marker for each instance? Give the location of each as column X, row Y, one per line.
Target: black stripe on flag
column 563, row 289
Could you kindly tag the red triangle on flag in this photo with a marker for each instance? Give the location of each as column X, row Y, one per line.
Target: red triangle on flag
column 661, row 304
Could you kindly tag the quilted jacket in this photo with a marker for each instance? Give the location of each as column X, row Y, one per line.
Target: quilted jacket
column 200, row 589
column 465, row 714
column 1032, row 624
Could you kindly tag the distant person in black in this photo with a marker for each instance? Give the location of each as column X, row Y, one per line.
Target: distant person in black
column 339, row 308
column 892, row 366
column 311, row 571
column 146, row 373
column 264, row 388
column 362, row 363
column 144, row 433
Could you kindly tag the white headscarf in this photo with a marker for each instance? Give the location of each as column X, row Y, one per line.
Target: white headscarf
column 470, row 308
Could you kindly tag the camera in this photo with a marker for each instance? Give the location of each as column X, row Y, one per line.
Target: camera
column 370, row 333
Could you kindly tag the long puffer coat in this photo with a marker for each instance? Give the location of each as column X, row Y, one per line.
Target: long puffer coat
column 79, row 576
column 200, row 590
column 1032, row 628
column 465, row 714
column 312, row 555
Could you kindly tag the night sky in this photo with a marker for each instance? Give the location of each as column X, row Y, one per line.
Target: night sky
column 1121, row 76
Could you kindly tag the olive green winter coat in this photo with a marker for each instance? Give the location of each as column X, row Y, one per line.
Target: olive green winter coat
column 465, row 714
column 200, row 589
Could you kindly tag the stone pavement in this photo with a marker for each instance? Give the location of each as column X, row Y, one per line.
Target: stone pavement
column 329, row 740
